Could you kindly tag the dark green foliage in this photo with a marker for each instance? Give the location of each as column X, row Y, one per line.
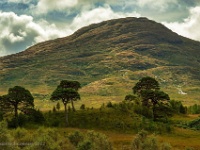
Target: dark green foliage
column 70, row 84
column 153, row 96
column 4, row 105
column 195, row 124
column 67, row 92
column 58, row 106
column 146, row 83
column 19, row 98
column 54, row 109
column 130, row 97
column 183, row 110
column 122, row 117
column 194, row 109
column 177, row 107
column 1, row 115
column 35, row 116
column 82, row 107
column 148, row 91
column 109, row 104
column 28, row 117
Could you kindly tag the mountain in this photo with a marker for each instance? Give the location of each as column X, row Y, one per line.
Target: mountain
column 108, row 58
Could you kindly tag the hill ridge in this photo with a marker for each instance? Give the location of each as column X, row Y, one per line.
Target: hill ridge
column 100, row 51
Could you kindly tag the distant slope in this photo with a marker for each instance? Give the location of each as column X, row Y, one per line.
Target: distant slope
column 120, row 50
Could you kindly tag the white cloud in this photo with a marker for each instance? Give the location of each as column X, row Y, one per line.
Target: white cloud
column 98, row 15
column 20, row 1
column 189, row 27
column 19, row 32
column 45, row 6
column 156, row 4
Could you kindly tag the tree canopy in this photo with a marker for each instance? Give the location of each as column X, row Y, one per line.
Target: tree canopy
column 19, row 97
column 146, row 83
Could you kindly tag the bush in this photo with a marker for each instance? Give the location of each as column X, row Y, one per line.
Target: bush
column 75, row 138
column 195, row 124
column 144, row 142
column 177, row 107
column 30, row 116
column 82, row 107
column 90, row 141
column 130, row 97
column 194, row 109
column 109, row 105
column 85, row 145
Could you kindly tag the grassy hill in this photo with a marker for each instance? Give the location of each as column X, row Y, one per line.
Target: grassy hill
column 108, row 59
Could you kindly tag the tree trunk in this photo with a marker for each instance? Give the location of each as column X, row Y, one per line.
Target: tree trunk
column 73, row 105
column 16, row 115
column 154, row 107
column 66, row 115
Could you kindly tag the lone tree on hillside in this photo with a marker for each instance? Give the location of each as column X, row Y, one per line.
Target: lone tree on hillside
column 73, row 85
column 67, row 94
column 19, row 98
column 149, row 91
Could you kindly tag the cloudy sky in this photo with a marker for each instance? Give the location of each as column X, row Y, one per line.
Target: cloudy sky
column 26, row 22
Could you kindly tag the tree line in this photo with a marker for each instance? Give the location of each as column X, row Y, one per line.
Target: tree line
column 146, row 93
column 19, row 98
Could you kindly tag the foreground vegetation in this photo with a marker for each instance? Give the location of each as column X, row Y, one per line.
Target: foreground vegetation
column 147, row 109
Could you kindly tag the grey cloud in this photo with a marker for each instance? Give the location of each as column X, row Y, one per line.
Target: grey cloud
column 19, row 32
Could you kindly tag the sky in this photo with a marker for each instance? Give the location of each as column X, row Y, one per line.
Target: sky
column 24, row 23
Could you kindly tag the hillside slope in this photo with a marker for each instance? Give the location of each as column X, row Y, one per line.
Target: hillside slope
column 107, row 58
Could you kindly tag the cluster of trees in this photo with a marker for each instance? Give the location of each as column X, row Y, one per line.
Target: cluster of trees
column 20, row 99
column 147, row 92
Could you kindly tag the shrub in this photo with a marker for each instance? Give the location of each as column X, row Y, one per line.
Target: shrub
column 90, row 141
column 109, row 105
column 85, row 145
column 82, row 107
column 143, row 142
column 130, row 97
column 75, row 138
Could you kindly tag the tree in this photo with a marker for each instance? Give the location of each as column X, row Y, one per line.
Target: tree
column 146, row 83
column 19, row 98
column 58, row 106
column 70, row 84
column 148, row 90
column 66, row 95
